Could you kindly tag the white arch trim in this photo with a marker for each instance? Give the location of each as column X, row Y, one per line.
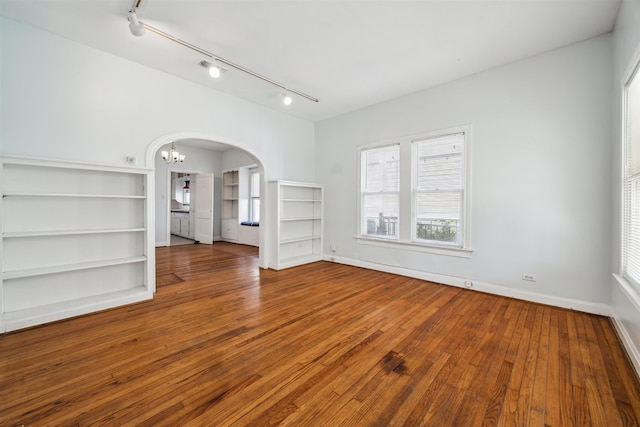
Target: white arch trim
column 153, row 147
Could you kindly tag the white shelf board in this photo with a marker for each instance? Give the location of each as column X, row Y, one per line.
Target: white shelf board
column 299, row 239
column 75, row 196
column 17, row 234
column 30, row 272
column 301, row 200
column 308, row 218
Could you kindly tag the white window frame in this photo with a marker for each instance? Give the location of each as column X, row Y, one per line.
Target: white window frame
column 253, row 189
column 406, row 238
column 460, row 240
column 363, row 193
column 632, row 76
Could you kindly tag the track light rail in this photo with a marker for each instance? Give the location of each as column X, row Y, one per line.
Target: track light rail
column 217, row 58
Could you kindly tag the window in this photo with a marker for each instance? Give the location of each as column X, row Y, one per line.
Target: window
column 631, row 210
column 380, row 191
column 414, row 192
column 438, row 189
column 254, row 195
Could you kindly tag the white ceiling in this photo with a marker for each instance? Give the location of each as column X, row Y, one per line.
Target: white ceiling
column 348, row 54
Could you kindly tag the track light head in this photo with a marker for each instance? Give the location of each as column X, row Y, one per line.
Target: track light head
column 214, row 71
column 286, row 99
column 135, row 26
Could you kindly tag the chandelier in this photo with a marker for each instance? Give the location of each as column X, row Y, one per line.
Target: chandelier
column 172, row 156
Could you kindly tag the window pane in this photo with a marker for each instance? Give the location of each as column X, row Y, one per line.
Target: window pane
column 380, row 187
column 380, row 212
column 255, row 210
column 633, row 126
column 440, row 173
column 438, row 216
column 438, row 205
column 255, row 184
column 631, row 224
column 381, row 169
column 439, row 163
column 438, row 188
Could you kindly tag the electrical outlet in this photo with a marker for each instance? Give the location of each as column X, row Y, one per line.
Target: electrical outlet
column 529, row 277
column 468, row 284
column 333, row 247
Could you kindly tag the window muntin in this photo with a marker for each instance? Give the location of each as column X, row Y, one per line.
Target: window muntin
column 438, row 189
column 631, row 210
column 380, row 183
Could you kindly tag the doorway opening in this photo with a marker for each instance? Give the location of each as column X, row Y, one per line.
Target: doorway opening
column 181, row 215
column 190, row 208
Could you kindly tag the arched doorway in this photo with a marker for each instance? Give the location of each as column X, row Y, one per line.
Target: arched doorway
column 160, row 198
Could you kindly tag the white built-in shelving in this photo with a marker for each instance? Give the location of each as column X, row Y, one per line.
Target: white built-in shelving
column 230, row 204
column 299, row 217
column 75, row 239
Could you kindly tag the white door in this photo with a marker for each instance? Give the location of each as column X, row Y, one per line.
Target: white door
column 204, row 208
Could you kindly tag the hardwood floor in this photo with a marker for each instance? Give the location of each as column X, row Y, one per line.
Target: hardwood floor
column 224, row 343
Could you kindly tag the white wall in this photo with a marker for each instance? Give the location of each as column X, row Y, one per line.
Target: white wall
column 540, row 176
column 625, row 301
column 89, row 106
column 233, row 159
column 197, row 160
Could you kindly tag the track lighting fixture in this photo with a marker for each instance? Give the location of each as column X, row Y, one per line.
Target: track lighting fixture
column 286, row 99
column 215, row 70
column 135, row 26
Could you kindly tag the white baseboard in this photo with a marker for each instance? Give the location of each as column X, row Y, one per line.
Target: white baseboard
column 159, row 244
column 12, row 321
column 632, row 350
column 632, row 312
column 570, row 303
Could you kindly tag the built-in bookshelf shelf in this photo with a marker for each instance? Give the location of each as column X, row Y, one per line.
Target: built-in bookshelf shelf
column 299, row 213
column 75, row 239
column 91, row 196
column 10, row 235
column 299, row 239
column 301, row 218
column 230, row 205
column 7, row 275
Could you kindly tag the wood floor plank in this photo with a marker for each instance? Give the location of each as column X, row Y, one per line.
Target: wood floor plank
column 537, row 412
column 226, row 343
column 552, row 389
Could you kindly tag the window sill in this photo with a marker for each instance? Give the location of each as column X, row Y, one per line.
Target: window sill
column 418, row 247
